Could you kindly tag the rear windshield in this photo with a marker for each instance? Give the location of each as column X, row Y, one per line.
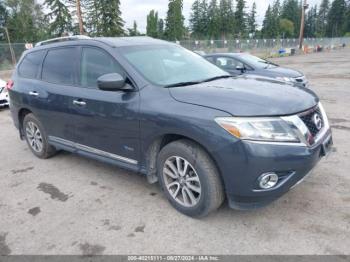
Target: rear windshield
column 30, row 66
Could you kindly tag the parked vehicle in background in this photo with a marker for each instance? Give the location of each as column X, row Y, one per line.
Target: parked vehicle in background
column 244, row 63
column 4, row 96
column 156, row 108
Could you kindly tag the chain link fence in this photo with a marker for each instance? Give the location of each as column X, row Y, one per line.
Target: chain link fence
column 260, row 47
column 265, row 47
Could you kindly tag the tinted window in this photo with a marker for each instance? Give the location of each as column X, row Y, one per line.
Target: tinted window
column 96, row 63
column 31, row 63
column 228, row 63
column 60, row 66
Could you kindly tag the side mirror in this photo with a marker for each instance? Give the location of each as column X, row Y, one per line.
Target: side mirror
column 113, row 82
column 241, row 68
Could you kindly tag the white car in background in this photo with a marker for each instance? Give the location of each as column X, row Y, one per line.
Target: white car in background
column 4, row 96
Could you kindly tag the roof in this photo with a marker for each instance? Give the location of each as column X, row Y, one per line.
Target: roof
column 130, row 41
column 111, row 41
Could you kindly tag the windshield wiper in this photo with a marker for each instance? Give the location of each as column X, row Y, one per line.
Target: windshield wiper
column 215, row 78
column 182, row 84
column 196, row 82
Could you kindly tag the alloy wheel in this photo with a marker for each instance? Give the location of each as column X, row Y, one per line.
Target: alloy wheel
column 182, row 181
column 34, row 137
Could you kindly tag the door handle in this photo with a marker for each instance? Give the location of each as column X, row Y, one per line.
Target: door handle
column 79, row 103
column 33, row 93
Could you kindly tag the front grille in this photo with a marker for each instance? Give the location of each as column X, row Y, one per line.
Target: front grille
column 3, row 102
column 308, row 118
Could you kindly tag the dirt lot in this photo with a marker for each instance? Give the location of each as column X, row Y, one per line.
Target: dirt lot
column 73, row 205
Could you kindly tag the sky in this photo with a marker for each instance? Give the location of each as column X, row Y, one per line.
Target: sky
column 138, row 9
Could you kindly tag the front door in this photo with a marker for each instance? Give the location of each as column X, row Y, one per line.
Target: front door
column 106, row 122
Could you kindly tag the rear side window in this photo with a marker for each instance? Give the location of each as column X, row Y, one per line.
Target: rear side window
column 60, row 66
column 95, row 63
column 30, row 66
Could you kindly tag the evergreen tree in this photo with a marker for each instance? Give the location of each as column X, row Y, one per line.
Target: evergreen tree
column 240, row 18
column 174, row 28
column 133, row 31
column 61, row 19
column 347, row 21
column 104, row 18
column 291, row 10
column 275, row 19
column 226, row 18
column 160, row 28
column 267, row 28
column 310, row 22
column 322, row 18
column 213, row 20
column 252, row 26
column 336, row 19
column 195, row 19
column 152, row 24
column 3, row 19
column 25, row 20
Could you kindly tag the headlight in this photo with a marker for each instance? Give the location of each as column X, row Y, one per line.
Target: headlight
column 285, row 79
column 271, row 129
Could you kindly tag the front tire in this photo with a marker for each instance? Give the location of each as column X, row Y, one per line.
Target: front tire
column 189, row 178
column 36, row 137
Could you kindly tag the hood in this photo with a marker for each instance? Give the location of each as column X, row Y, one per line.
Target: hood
column 247, row 97
column 283, row 72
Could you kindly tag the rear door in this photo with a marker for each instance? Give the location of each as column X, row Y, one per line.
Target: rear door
column 59, row 81
column 105, row 122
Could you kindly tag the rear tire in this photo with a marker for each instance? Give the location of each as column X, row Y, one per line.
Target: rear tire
column 189, row 178
column 36, row 137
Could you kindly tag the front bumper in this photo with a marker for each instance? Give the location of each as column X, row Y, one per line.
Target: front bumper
column 291, row 162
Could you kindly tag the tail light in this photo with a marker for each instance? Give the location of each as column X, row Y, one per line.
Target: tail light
column 9, row 84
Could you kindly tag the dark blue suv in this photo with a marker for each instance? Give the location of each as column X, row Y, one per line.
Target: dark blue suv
column 156, row 108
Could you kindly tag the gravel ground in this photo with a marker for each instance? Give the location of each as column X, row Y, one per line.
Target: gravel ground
column 72, row 205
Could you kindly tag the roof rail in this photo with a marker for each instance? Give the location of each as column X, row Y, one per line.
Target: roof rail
column 62, row 39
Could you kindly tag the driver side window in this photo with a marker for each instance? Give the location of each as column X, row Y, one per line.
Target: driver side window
column 95, row 63
column 228, row 63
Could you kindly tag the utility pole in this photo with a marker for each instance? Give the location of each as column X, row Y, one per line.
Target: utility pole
column 14, row 62
column 302, row 24
column 80, row 19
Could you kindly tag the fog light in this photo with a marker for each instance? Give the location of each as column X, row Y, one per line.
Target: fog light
column 268, row 180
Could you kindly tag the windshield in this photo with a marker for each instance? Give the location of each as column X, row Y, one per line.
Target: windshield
column 170, row 65
column 256, row 62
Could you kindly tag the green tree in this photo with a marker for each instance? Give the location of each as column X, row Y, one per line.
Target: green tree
column 276, row 17
column 61, row 19
column 174, row 28
column 336, row 18
column 321, row 22
column 252, row 26
column 195, row 19
column 291, row 10
column 152, row 24
column 226, row 18
column 104, row 18
column 134, row 31
column 267, row 28
column 240, row 18
column 213, row 20
column 160, row 28
column 287, row 28
column 3, row 20
column 24, row 20
column 311, row 22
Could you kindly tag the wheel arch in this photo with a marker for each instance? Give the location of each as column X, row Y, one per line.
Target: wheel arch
column 21, row 115
column 160, row 142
